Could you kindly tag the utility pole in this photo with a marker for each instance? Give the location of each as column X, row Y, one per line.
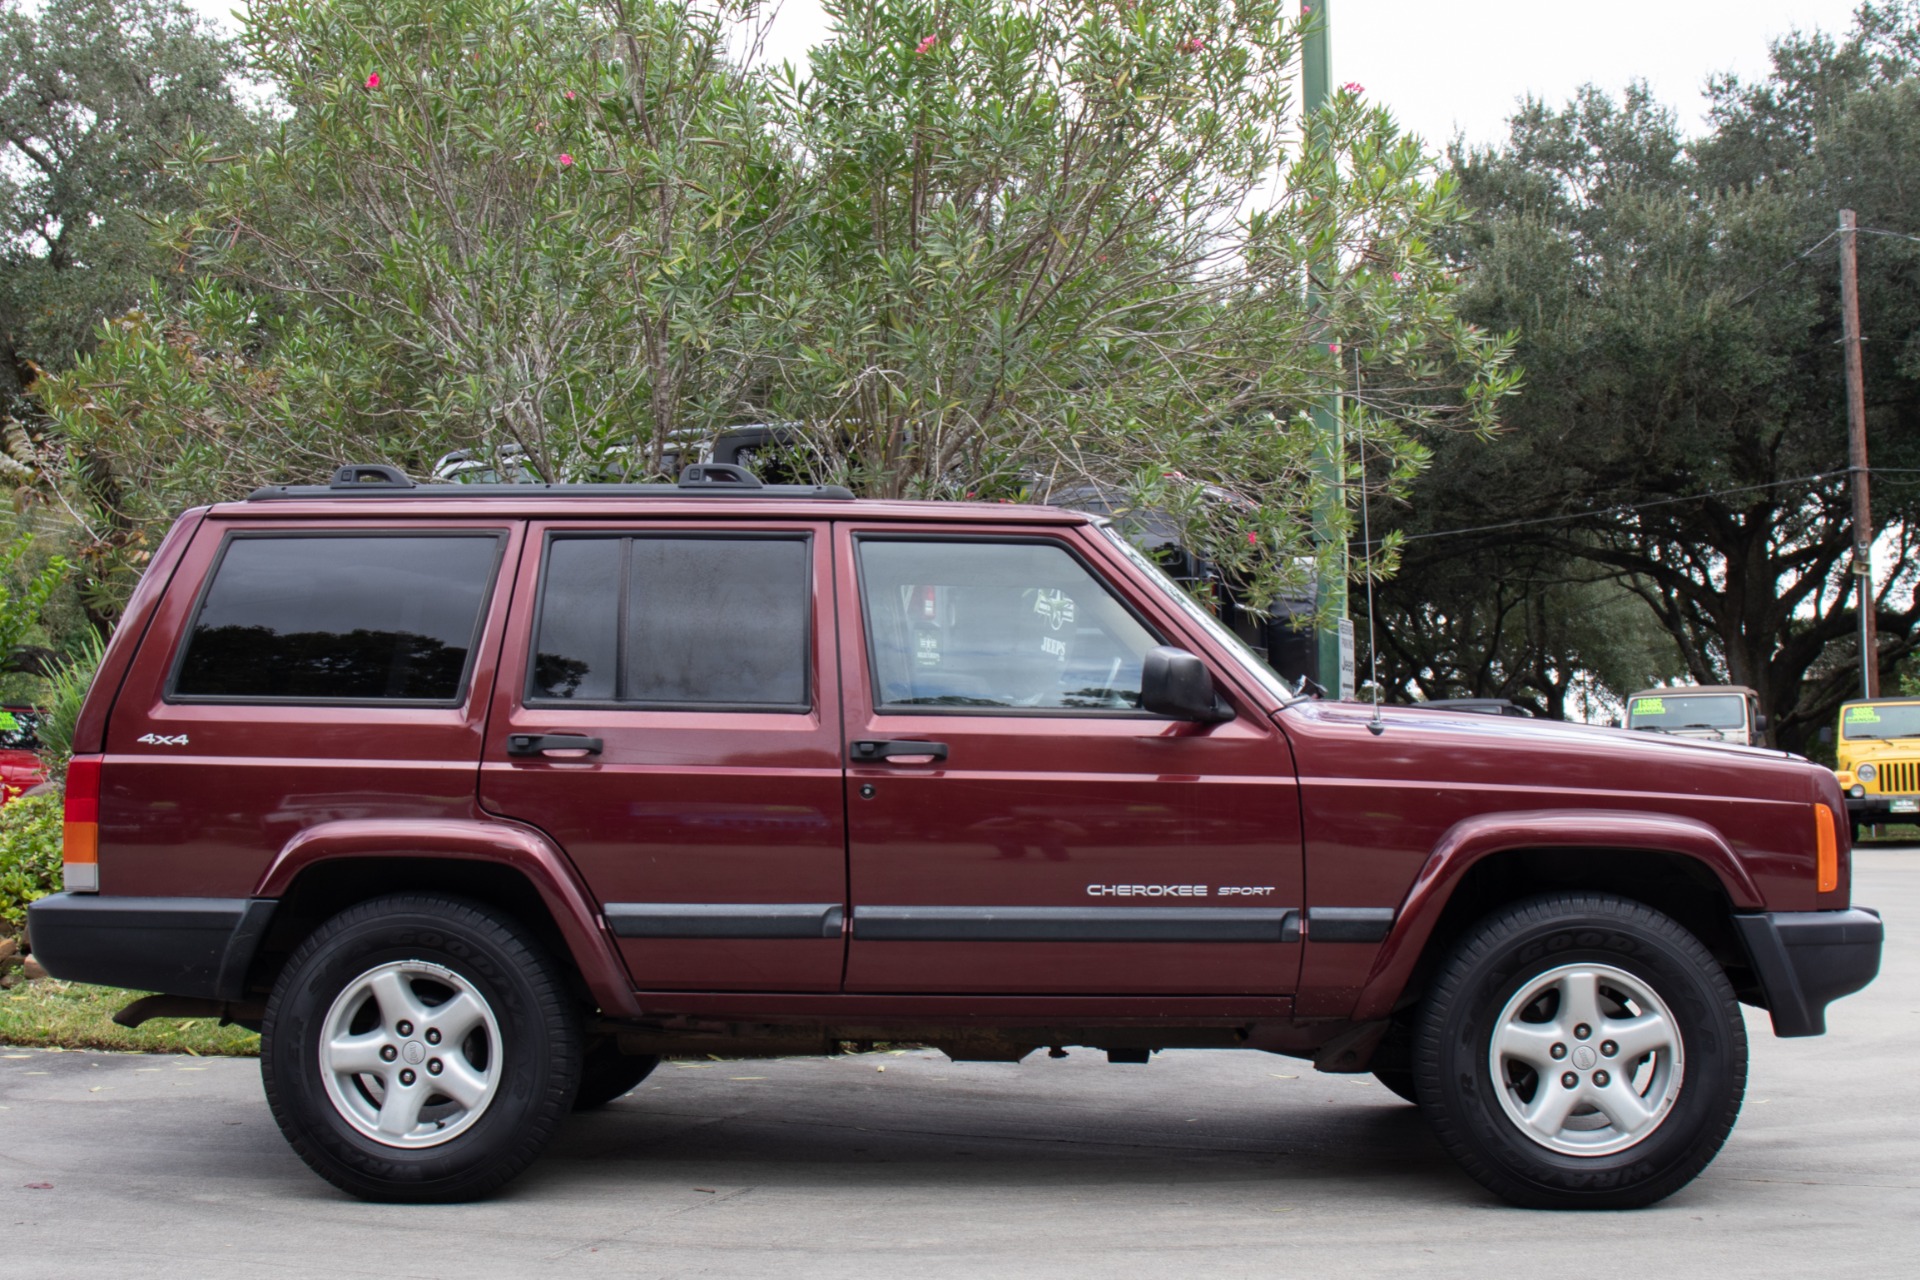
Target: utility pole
column 1857, row 456
column 1334, row 634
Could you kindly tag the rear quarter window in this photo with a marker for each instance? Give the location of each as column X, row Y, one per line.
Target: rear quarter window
column 361, row 617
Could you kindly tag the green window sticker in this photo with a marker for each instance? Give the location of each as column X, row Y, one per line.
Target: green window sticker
column 1649, row 706
column 7, row 722
column 1863, row 715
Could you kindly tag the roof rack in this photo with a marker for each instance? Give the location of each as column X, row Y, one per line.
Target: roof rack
column 378, row 480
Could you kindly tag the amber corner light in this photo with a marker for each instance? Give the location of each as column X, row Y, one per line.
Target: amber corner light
column 1826, row 848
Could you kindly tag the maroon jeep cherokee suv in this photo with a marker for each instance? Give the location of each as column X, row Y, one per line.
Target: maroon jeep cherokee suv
column 477, row 800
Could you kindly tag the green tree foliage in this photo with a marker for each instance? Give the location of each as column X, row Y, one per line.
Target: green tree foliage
column 25, row 590
column 95, row 96
column 977, row 247
column 1683, row 438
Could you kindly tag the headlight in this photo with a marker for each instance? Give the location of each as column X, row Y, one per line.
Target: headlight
column 1865, row 773
column 1857, row 791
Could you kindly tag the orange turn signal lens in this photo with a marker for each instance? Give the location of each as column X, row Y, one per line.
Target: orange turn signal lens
column 1826, row 848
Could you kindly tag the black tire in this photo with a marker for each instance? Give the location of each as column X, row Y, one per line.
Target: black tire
column 607, row 1074
column 1609, row 1151
column 513, row 1051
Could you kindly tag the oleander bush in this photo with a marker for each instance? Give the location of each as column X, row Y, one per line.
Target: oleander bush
column 29, row 855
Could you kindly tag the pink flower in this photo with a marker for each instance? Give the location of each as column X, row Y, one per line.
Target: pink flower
column 926, row 44
column 1395, row 275
column 373, row 81
column 1253, row 539
column 1353, row 86
column 565, row 160
column 1334, row 347
column 1196, row 44
column 569, row 95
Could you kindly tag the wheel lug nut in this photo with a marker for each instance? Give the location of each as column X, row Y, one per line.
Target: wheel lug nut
column 433, row 1035
column 1569, row 1079
column 1558, row 1051
column 433, row 1066
column 407, row 1077
column 405, row 1028
column 1608, row 1048
column 388, row 1053
column 1601, row 1078
column 1580, row 1032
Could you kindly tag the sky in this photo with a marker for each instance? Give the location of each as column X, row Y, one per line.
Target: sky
column 1447, row 68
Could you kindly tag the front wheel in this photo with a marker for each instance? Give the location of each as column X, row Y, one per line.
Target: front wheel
column 1581, row 1051
column 420, row 1049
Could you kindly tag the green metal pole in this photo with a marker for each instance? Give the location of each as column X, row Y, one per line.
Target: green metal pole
column 1334, row 636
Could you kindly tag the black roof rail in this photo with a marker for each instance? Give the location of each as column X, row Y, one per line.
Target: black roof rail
column 362, row 475
column 377, row 480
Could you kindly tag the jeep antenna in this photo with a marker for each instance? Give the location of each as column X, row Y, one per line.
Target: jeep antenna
column 1375, row 726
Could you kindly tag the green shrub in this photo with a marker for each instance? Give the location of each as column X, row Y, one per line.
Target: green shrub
column 29, row 854
column 67, row 689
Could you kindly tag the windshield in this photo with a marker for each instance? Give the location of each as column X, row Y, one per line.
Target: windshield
column 1867, row 721
column 1252, row 661
column 16, row 730
column 1688, row 711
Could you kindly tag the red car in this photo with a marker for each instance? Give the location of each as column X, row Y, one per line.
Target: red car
column 476, row 800
column 20, row 767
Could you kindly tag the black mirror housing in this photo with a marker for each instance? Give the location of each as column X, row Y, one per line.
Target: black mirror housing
column 1175, row 683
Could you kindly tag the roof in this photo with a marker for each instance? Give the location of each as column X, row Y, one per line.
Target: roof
column 703, row 490
column 1694, row 688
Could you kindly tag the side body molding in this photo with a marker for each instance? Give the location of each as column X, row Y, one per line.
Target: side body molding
column 1473, row 839
column 521, row 848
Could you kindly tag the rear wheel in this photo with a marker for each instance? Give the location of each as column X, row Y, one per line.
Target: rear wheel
column 419, row 1049
column 1581, row 1051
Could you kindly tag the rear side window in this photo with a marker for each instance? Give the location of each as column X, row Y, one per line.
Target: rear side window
column 347, row 618
column 666, row 621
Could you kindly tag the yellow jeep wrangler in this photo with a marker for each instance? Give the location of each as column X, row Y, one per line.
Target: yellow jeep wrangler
column 1878, row 760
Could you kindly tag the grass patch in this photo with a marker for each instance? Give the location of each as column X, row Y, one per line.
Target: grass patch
column 49, row 1014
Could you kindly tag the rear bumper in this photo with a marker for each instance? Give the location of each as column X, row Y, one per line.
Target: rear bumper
column 175, row 946
column 1805, row 960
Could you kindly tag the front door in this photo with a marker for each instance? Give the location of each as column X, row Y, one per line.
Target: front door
column 1016, row 823
column 669, row 715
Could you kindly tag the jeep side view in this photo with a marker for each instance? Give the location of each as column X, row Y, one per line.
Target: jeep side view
column 477, row 800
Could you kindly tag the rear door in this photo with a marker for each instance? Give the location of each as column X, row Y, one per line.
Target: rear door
column 669, row 715
column 1016, row 823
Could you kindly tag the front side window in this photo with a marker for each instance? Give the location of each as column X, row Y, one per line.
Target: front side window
column 675, row 621
column 1013, row 625
column 352, row 618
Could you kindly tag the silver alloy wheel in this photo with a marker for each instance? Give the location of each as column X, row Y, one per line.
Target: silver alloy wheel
column 1586, row 1059
column 410, row 1054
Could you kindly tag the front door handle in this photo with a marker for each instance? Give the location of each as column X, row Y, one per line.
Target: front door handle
column 536, row 744
column 865, row 751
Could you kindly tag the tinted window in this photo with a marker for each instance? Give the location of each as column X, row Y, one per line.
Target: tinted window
column 971, row 624
column 357, row 618
column 675, row 621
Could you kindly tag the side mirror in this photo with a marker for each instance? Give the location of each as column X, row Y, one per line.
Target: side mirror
column 1826, row 736
column 1759, row 722
column 1175, row 683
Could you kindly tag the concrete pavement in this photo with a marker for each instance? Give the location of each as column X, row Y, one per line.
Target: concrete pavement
column 884, row 1165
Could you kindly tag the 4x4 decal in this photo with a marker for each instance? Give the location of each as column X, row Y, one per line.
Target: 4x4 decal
column 163, row 740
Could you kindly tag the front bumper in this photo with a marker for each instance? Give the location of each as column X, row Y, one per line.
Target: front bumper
column 1805, row 960
column 1870, row 809
column 199, row 947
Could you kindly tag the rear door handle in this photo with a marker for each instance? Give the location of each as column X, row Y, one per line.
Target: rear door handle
column 536, row 744
column 863, row 751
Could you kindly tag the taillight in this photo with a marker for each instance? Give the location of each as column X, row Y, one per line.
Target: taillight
column 1826, row 849
column 81, row 833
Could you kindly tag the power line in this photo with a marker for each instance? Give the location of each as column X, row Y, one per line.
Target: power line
column 1625, row 507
